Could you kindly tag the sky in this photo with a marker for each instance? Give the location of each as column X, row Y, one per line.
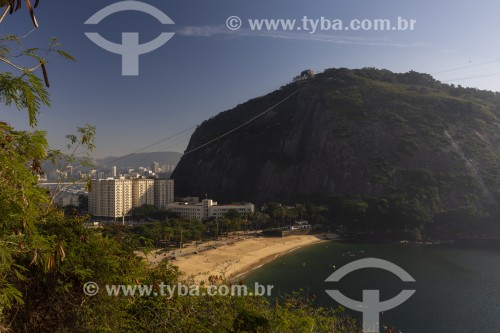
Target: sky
column 207, row 68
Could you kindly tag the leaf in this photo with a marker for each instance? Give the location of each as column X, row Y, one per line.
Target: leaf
column 45, row 76
column 88, row 186
column 51, row 263
column 35, row 257
column 72, row 138
column 11, row 37
column 62, row 253
column 32, row 14
column 65, row 55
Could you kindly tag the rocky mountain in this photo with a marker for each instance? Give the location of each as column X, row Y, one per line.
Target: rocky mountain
column 364, row 133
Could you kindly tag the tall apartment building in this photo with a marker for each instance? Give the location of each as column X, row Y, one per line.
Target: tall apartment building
column 143, row 192
column 207, row 209
column 155, row 167
column 114, row 196
column 164, row 193
column 168, row 168
column 110, row 197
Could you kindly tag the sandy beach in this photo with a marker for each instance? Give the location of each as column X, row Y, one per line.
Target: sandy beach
column 233, row 260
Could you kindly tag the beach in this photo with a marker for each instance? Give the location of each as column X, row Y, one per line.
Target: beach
column 230, row 261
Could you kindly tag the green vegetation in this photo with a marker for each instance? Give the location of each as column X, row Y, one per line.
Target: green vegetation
column 162, row 229
column 46, row 257
column 391, row 155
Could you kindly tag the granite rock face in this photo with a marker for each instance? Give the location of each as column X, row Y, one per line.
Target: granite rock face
column 366, row 132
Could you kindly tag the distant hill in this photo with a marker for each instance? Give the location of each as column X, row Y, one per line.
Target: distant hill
column 377, row 145
column 138, row 160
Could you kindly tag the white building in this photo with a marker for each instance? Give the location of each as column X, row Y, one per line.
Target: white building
column 110, row 197
column 207, row 209
column 168, row 168
column 143, row 192
column 155, row 167
column 115, row 197
column 113, row 171
column 164, row 193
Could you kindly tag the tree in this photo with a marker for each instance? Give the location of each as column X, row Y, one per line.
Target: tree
column 46, row 258
column 79, row 147
column 300, row 211
column 23, row 203
column 20, row 156
column 304, row 75
column 232, row 214
column 144, row 211
column 13, row 6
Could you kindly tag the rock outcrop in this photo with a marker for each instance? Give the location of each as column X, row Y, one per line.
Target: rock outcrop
column 367, row 133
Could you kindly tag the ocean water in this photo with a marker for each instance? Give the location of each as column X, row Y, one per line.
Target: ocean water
column 457, row 285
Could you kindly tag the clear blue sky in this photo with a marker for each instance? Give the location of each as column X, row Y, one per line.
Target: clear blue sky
column 206, row 68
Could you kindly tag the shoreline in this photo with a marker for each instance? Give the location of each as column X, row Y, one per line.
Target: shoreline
column 266, row 260
column 234, row 261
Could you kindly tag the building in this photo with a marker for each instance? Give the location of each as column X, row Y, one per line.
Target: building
column 71, row 200
column 113, row 171
column 143, row 192
column 116, row 197
column 168, row 168
column 163, row 192
column 207, row 209
column 155, row 167
column 110, row 197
